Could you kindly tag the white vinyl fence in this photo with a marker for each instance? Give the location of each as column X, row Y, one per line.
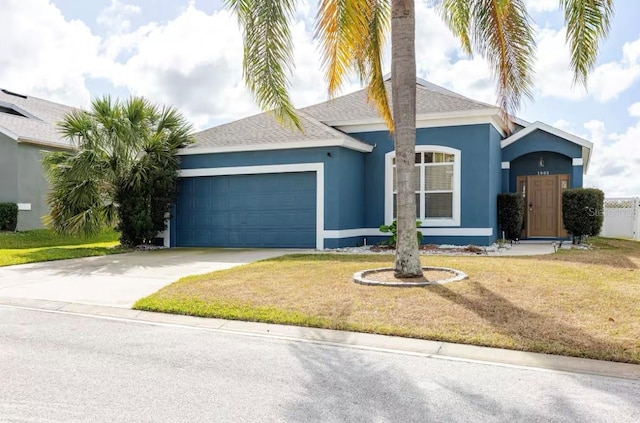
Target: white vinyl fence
column 621, row 218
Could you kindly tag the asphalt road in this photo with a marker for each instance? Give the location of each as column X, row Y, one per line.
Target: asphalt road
column 70, row 368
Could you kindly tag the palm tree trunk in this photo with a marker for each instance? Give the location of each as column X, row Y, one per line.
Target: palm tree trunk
column 403, row 92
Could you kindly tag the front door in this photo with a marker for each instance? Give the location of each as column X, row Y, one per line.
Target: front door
column 543, row 206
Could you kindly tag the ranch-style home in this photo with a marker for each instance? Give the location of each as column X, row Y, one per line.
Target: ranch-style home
column 254, row 183
column 27, row 130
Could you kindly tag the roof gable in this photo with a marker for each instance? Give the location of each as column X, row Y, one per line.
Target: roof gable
column 587, row 146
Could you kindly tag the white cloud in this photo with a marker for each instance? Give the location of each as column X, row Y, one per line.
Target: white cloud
column 115, row 17
column 615, row 160
column 554, row 77
column 543, row 5
column 195, row 63
column 634, row 110
column 45, row 54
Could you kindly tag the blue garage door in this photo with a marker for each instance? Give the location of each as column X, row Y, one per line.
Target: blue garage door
column 267, row 210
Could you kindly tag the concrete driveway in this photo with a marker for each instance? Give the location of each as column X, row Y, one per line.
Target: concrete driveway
column 119, row 280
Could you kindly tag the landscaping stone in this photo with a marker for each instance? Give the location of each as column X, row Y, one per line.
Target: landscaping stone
column 372, row 277
column 427, row 249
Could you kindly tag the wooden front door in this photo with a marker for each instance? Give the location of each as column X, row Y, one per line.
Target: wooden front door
column 543, row 204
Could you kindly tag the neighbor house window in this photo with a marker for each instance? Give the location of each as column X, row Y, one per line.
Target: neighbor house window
column 437, row 186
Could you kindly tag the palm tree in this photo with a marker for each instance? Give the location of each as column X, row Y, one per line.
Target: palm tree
column 352, row 35
column 122, row 172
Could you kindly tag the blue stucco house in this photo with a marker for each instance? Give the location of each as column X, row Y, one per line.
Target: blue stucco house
column 254, row 183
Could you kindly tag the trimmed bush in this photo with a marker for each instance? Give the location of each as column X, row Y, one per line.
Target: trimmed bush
column 8, row 216
column 511, row 214
column 582, row 212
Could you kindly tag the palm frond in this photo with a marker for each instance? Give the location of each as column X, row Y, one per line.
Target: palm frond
column 341, row 27
column 268, row 53
column 378, row 21
column 501, row 32
column 352, row 36
column 457, row 15
column 588, row 23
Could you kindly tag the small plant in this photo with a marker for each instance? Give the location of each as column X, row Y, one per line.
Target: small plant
column 393, row 229
column 8, row 216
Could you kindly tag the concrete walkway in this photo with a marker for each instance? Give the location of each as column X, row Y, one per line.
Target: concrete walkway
column 527, row 248
column 393, row 344
column 122, row 279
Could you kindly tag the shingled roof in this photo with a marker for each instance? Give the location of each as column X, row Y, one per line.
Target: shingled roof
column 262, row 130
column 430, row 99
column 31, row 119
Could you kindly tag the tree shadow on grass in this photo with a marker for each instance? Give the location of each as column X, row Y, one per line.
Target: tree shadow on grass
column 532, row 331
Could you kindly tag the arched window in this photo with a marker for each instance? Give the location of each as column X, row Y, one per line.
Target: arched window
column 437, row 181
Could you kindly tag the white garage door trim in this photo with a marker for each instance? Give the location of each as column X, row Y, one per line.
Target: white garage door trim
column 318, row 168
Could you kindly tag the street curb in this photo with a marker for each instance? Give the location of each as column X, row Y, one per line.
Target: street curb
column 433, row 349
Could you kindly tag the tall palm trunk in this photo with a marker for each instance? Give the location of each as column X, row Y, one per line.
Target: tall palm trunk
column 403, row 93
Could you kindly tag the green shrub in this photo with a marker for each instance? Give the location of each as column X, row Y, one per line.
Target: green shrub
column 393, row 229
column 8, row 216
column 511, row 214
column 582, row 212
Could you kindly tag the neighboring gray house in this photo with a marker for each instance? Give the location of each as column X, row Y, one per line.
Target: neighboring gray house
column 27, row 130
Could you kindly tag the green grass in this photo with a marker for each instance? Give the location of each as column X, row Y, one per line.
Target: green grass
column 578, row 303
column 44, row 245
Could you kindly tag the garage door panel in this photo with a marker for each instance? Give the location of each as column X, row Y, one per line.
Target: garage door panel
column 271, row 210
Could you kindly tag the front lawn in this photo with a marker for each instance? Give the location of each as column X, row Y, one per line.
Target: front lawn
column 578, row 303
column 43, row 245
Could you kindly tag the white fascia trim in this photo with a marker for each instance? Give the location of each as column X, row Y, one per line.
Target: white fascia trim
column 434, row 120
column 506, row 165
column 577, row 162
column 587, row 146
column 457, row 185
column 547, row 128
column 350, row 233
column 8, row 133
column 24, row 206
column 288, row 168
column 586, row 159
column 346, row 143
column 22, row 140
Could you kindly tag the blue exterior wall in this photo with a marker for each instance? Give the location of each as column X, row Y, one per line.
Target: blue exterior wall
column 556, row 152
column 541, row 141
column 527, row 165
column 344, row 176
column 355, row 181
column 495, row 172
column 479, row 147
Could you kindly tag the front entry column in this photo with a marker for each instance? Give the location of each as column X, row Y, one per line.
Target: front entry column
column 576, row 177
column 506, row 167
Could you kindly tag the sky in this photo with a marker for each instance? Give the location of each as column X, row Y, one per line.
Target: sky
column 188, row 53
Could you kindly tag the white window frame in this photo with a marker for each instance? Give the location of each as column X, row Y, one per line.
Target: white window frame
column 457, row 171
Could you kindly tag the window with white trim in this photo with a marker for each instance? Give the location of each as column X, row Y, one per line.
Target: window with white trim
column 437, row 182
